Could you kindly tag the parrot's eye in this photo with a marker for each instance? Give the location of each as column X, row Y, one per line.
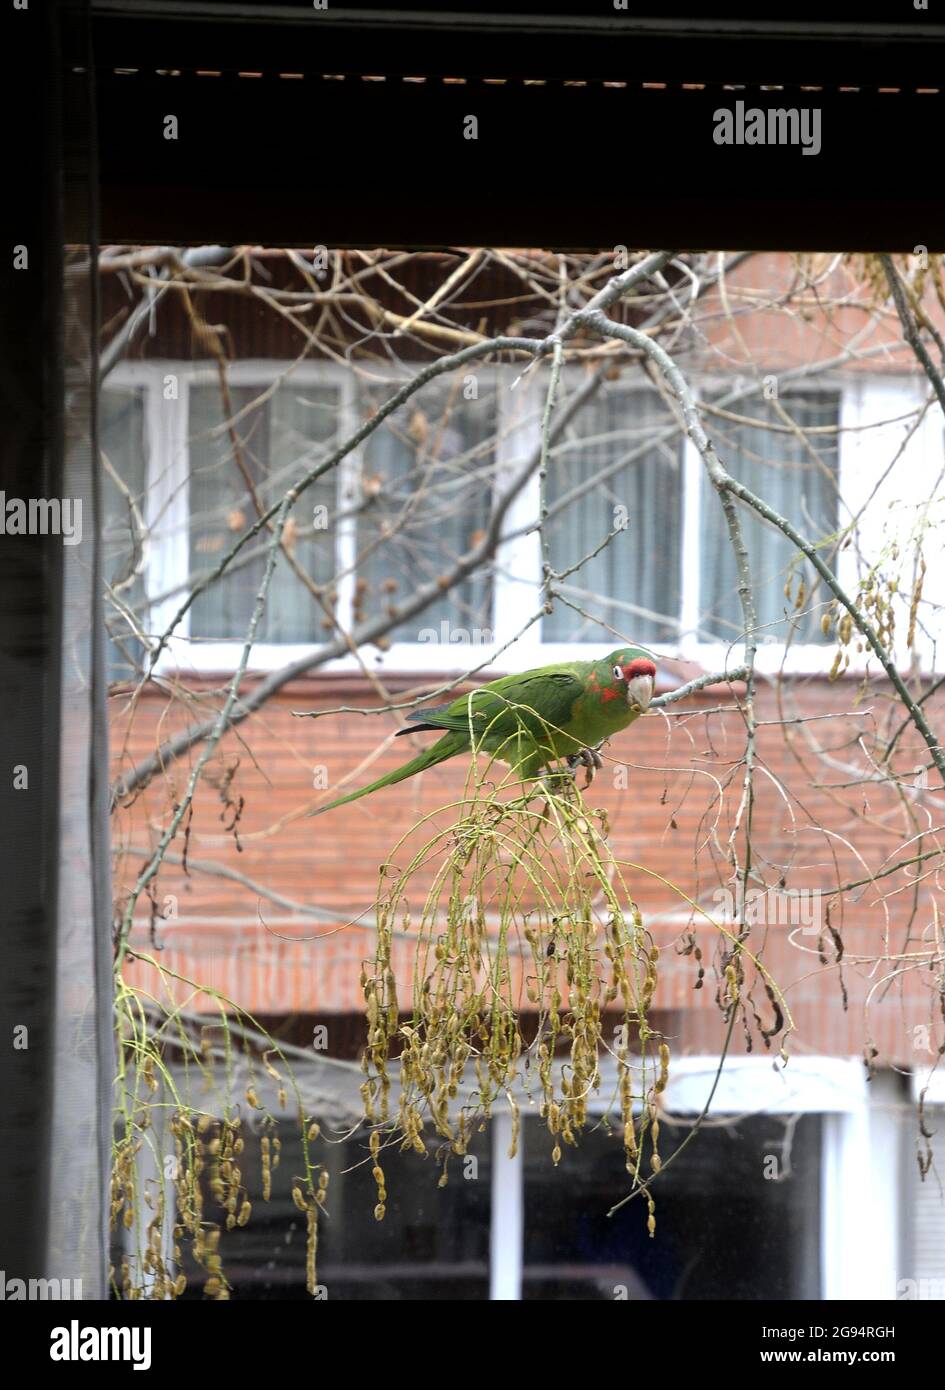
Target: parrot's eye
column 618, row 673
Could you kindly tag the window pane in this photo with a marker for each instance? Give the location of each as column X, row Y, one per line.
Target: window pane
column 640, row 566
column 433, row 1242
column 737, row 1216
column 279, row 439
column 124, row 470
column 777, row 467
column 428, row 492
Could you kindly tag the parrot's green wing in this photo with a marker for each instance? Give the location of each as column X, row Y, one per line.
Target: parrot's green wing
column 541, row 701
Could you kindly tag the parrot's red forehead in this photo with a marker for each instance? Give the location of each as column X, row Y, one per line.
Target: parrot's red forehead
column 641, row 666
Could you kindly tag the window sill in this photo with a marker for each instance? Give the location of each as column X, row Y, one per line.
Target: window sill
column 419, row 660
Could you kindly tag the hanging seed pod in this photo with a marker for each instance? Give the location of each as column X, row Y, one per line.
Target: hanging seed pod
column 663, row 1078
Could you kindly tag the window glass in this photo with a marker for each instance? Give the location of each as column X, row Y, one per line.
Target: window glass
column 798, row 479
column 427, row 484
column 123, row 447
column 640, row 567
column 737, row 1215
column 433, row 1242
column 279, row 438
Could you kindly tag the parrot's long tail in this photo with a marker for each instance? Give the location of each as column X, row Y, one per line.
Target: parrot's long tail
column 444, row 748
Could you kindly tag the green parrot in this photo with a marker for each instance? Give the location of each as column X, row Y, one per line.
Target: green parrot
column 531, row 720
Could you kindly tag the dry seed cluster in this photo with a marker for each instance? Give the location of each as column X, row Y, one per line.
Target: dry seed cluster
column 207, row 1153
column 199, row 1192
column 876, row 598
column 526, row 914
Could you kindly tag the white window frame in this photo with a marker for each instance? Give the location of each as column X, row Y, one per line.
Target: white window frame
column 861, row 1161
column 517, row 576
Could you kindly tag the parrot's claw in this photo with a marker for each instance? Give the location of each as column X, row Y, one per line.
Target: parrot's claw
column 590, row 760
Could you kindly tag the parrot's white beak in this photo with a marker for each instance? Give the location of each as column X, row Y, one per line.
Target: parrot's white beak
column 639, row 692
